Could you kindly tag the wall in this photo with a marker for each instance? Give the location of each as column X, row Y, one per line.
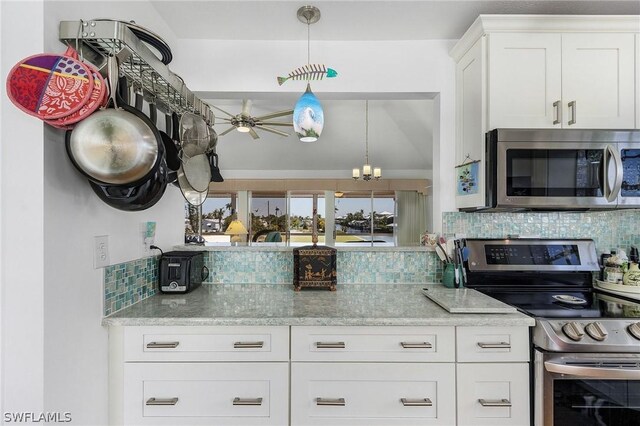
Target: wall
column 21, row 223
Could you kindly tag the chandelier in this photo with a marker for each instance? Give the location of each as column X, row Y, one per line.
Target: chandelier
column 366, row 168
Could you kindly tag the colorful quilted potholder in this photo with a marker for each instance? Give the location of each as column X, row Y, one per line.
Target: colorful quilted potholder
column 50, row 86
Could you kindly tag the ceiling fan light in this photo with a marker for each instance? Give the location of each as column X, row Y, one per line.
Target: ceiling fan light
column 308, row 117
column 243, row 129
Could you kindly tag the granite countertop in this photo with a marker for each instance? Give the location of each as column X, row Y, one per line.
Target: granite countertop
column 278, row 304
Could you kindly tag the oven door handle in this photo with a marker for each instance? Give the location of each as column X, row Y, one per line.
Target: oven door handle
column 614, row 189
column 594, row 372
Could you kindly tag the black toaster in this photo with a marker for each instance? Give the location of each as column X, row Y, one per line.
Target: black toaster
column 182, row 271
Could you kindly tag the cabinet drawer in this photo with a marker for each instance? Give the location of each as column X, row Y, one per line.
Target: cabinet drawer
column 403, row 344
column 493, row 394
column 489, row 344
column 206, row 343
column 206, row 394
column 372, row 394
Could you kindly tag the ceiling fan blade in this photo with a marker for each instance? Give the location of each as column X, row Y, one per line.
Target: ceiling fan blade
column 273, row 115
column 227, row 131
column 267, row 123
column 221, row 110
column 254, row 134
column 225, row 118
column 246, row 107
column 269, row 129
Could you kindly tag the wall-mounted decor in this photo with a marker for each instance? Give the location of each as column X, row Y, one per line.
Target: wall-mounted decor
column 467, row 177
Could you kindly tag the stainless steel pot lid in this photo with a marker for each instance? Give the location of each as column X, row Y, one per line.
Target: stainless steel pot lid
column 193, row 197
column 194, row 134
column 197, row 171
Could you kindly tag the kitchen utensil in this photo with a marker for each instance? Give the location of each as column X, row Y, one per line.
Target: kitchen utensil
column 193, row 197
column 213, row 135
column 194, row 134
column 159, row 47
column 197, row 170
column 215, row 171
column 442, row 254
column 50, row 86
column 116, row 145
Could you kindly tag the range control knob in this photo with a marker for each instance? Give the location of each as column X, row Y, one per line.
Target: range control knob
column 634, row 330
column 573, row 331
column 597, row 331
column 173, row 285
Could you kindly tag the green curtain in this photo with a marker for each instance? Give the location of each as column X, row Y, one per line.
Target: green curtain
column 411, row 217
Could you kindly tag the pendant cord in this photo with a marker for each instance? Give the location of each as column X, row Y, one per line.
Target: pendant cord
column 366, row 133
column 308, row 47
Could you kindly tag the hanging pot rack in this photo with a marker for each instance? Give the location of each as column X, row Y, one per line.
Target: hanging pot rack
column 96, row 40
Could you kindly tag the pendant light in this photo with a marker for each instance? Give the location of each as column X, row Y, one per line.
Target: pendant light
column 366, row 168
column 308, row 116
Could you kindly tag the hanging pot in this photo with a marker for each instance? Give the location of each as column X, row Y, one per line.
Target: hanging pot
column 170, row 148
column 115, row 146
column 197, row 171
column 134, row 197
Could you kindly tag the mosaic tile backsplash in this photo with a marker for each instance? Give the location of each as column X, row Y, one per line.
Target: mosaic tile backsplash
column 354, row 267
column 130, row 282
column 609, row 229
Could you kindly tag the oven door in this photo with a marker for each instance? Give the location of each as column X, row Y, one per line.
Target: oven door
column 558, row 175
column 586, row 389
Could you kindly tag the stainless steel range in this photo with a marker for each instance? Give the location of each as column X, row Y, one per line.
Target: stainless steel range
column 585, row 344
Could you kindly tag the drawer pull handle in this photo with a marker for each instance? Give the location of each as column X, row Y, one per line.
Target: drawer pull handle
column 495, row 402
column 420, row 402
column 162, row 345
column 501, row 345
column 247, row 401
column 248, row 345
column 340, row 402
column 162, row 401
column 416, row 345
column 330, row 345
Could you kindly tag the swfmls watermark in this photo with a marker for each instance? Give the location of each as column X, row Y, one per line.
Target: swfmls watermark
column 36, row 417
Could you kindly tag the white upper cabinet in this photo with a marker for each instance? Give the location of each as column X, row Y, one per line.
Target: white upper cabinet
column 551, row 80
column 524, row 80
column 598, row 81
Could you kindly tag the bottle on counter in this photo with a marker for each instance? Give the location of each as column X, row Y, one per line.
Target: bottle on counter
column 632, row 275
column 613, row 272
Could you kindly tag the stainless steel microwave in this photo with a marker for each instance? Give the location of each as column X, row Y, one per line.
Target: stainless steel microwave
column 539, row 169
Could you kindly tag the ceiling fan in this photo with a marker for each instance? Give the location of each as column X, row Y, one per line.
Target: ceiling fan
column 246, row 123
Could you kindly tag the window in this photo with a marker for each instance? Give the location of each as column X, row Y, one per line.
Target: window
column 268, row 213
column 365, row 218
column 301, row 205
column 212, row 218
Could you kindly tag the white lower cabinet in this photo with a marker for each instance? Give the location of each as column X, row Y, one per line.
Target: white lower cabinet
column 206, row 393
column 372, row 394
column 493, row 394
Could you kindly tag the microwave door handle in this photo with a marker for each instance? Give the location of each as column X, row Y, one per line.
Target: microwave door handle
column 617, row 185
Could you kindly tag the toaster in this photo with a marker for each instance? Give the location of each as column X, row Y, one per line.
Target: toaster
column 182, row 271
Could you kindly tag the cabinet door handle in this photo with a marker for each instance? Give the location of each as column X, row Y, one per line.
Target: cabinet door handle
column 162, row 345
column 416, row 345
column 339, row 402
column 494, row 402
column 161, row 401
column 501, row 345
column 420, row 402
column 572, row 108
column 330, row 345
column 247, row 401
column 557, row 105
column 248, row 345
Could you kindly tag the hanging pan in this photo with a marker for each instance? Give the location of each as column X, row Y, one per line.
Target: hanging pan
column 197, row 170
column 115, row 146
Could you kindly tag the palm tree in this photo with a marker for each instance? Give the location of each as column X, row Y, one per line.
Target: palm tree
column 218, row 214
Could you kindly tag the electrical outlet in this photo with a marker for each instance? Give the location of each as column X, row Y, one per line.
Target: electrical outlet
column 101, row 251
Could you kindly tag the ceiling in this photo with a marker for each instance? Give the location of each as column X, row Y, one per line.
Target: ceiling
column 400, row 128
column 358, row 20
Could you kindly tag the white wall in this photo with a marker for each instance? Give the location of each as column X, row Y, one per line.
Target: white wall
column 21, row 223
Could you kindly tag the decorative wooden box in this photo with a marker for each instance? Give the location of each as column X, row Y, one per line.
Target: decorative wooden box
column 314, row 266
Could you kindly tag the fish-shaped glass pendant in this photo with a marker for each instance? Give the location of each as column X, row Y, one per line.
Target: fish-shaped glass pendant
column 309, row 72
